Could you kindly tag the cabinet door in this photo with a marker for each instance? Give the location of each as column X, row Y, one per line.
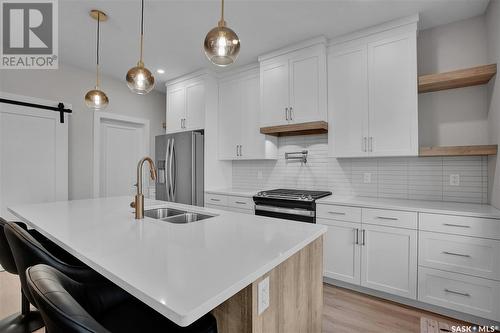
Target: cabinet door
column 252, row 142
column 176, row 108
column 348, row 102
column 229, row 119
column 308, row 86
column 274, row 92
column 195, row 105
column 389, row 260
column 341, row 253
column 393, row 96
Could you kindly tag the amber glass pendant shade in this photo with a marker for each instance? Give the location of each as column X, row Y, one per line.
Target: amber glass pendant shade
column 222, row 45
column 139, row 79
column 96, row 98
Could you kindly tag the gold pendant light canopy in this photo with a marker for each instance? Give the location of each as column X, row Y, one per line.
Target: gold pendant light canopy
column 222, row 45
column 140, row 80
column 96, row 99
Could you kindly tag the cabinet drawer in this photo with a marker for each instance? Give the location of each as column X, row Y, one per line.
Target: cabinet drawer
column 337, row 212
column 473, row 295
column 390, row 218
column 460, row 254
column 460, row 225
column 215, row 199
column 240, row 202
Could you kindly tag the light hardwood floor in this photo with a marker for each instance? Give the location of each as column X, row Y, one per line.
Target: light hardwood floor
column 344, row 311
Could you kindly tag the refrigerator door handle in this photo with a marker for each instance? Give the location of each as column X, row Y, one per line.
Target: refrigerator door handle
column 173, row 170
column 193, row 170
column 168, row 180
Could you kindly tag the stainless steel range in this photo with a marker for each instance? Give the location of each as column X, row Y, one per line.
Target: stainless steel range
column 298, row 205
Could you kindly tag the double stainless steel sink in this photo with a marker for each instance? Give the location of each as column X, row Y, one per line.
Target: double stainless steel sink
column 173, row 215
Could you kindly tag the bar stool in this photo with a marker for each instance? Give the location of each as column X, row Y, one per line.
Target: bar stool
column 72, row 307
column 26, row 320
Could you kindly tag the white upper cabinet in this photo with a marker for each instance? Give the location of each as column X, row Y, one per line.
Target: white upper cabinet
column 186, row 103
column 293, row 85
column 348, row 74
column 239, row 119
column 372, row 94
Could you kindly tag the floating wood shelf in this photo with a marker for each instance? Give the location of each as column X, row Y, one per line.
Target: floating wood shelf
column 457, row 79
column 459, row 151
column 315, row 127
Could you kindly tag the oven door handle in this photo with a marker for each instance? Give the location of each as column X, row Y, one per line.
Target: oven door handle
column 290, row 211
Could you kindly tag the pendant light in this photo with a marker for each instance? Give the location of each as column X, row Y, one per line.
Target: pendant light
column 139, row 79
column 222, row 45
column 96, row 99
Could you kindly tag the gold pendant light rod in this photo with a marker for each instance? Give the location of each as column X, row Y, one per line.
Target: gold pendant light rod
column 222, row 22
column 141, row 60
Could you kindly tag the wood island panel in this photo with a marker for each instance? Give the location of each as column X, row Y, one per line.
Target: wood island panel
column 296, row 298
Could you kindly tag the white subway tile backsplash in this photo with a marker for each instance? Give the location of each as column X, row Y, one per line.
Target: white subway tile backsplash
column 419, row 178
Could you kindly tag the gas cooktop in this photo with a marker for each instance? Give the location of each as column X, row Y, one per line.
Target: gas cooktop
column 288, row 194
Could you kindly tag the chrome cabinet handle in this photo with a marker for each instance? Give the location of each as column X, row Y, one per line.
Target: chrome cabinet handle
column 241, row 150
column 363, row 144
column 356, row 236
column 370, row 144
column 336, row 213
column 456, row 225
column 456, row 292
column 214, row 199
column 237, row 151
column 363, row 233
column 387, row 218
column 240, row 202
column 457, row 254
column 291, row 113
column 184, row 122
column 286, row 113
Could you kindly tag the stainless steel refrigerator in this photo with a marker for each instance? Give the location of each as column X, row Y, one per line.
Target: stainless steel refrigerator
column 179, row 159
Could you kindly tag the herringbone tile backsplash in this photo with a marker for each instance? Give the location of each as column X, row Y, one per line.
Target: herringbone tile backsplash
column 422, row 178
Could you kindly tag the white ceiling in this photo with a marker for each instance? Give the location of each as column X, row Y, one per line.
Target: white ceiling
column 175, row 30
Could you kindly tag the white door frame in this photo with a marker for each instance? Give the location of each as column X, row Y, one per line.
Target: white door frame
column 99, row 116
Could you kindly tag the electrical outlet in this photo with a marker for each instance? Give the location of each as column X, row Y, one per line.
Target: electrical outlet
column 367, row 177
column 259, row 174
column 455, row 179
column 263, row 297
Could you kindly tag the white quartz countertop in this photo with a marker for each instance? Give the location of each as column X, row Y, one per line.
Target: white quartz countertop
column 422, row 206
column 234, row 192
column 181, row 270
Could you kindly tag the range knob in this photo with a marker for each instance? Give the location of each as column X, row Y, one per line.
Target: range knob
column 303, row 197
column 262, row 194
column 309, row 197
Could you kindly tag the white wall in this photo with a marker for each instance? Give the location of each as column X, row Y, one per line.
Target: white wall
column 493, row 35
column 69, row 84
column 457, row 116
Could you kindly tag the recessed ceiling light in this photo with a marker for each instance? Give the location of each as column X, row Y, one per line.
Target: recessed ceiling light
column 160, row 71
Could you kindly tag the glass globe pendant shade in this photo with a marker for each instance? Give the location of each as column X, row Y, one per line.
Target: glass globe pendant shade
column 222, row 45
column 140, row 80
column 96, row 99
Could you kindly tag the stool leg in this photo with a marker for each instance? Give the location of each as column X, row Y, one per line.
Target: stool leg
column 25, row 304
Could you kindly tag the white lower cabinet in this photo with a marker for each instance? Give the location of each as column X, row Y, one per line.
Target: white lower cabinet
column 457, row 266
column 341, row 251
column 373, row 256
column 389, row 260
column 231, row 203
column 469, row 294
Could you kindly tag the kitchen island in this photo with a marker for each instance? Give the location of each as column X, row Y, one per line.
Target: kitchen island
column 186, row 270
